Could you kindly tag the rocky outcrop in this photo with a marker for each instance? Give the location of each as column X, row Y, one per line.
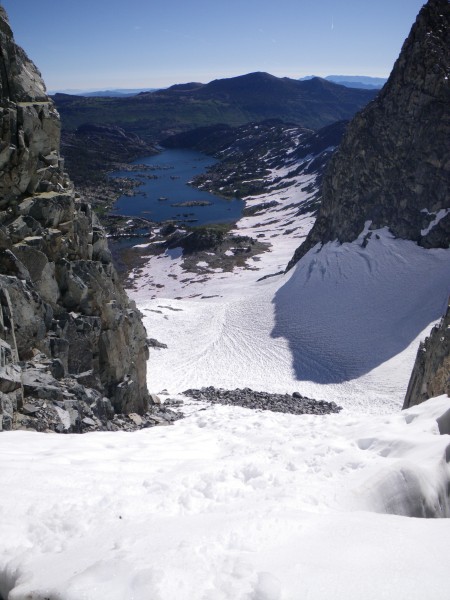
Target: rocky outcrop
column 66, row 325
column 393, row 166
column 431, row 372
column 294, row 404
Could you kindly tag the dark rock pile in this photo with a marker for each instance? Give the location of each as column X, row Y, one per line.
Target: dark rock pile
column 294, row 404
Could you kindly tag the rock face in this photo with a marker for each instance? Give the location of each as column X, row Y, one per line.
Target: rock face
column 431, row 373
column 393, row 166
column 65, row 321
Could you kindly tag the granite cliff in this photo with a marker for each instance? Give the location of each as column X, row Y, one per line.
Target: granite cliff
column 73, row 348
column 431, row 372
column 393, row 166
column 393, row 170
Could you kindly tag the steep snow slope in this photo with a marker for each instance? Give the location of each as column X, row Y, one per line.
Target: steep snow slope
column 232, row 504
column 344, row 326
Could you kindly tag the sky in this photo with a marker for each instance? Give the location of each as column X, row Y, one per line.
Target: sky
column 108, row 44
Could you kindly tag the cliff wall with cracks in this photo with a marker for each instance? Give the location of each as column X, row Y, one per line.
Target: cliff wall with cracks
column 431, row 373
column 71, row 342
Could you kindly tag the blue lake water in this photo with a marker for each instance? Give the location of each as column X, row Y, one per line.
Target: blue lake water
column 173, row 170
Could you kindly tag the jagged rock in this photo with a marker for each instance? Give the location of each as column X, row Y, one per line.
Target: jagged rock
column 42, row 272
column 67, row 329
column 153, row 343
column 57, row 368
column 41, row 385
column 393, row 165
column 9, row 404
column 28, row 315
column 431, row 373
column 137, row 420
column 29, row 123
column 10, row 378
column 10, row 263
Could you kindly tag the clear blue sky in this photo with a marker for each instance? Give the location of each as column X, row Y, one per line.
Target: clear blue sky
column 100, row 44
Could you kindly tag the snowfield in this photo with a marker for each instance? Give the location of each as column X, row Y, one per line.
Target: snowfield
column 230, row 504
column 343, row 325
column 234, row 504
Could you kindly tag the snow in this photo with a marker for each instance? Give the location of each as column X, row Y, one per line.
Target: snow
column 343, row 325
column 437, row 217
column 229, row 504
column 233, row 504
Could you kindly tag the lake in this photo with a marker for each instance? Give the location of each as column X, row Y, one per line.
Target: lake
column 164, row 183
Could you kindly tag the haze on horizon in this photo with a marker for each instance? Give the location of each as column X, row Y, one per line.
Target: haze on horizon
column 109, row 44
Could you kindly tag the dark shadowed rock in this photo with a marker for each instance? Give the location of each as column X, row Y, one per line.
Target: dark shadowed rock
column 431, row 372
column 393, row 166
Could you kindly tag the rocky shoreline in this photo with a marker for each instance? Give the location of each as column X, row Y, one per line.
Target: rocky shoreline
column 294, row 404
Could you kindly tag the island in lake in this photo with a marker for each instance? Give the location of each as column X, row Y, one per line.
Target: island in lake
column 193, row 203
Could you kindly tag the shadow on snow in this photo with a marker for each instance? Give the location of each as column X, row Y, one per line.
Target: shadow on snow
column 347, row 309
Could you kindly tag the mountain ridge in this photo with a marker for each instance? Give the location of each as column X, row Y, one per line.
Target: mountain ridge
column 234, row 101
column 392, row 170
column 363, row 82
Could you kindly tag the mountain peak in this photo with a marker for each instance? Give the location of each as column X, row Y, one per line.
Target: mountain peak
column 392, row 167
column 20, row 80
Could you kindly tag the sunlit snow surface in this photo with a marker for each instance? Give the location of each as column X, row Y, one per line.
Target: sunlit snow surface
column 343, row 325
column 229, row 504
column 233, row 504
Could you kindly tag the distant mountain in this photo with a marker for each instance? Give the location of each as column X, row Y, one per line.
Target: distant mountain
column 185, row 87
column 234, row 101
column 353, row 81
column 306, row 103
column 104, row 93
column 118, row 93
